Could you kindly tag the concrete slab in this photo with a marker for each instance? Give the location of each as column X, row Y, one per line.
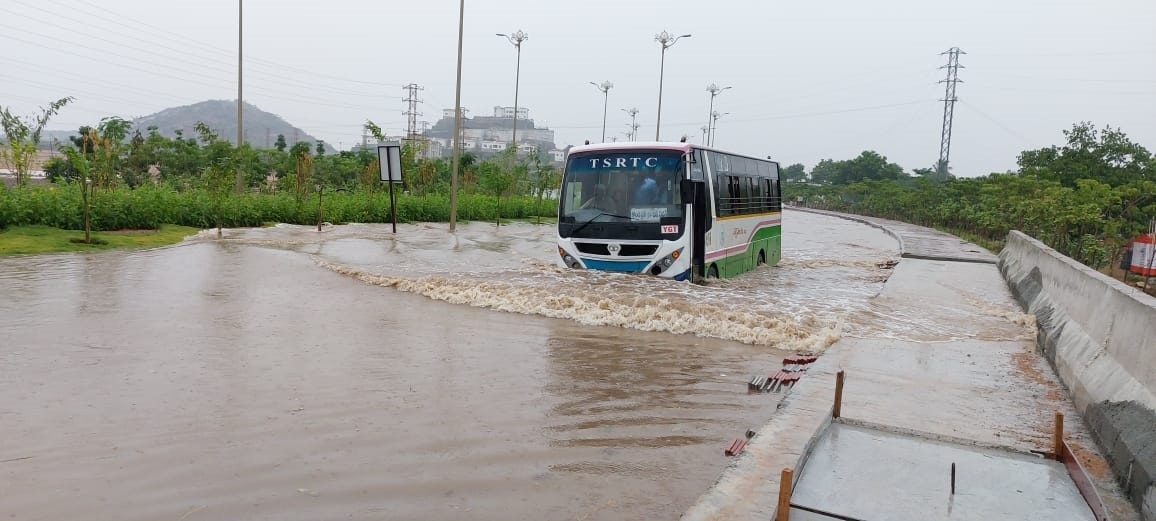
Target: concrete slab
column 874, row 475
column 956, row 363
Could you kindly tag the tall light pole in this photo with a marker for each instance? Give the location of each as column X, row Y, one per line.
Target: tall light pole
column 457, row 123
column 240, row 126
column 714, row 119
column 516, row 38
column 633, row 122
column 713, row 90
column 666, row 40
column 705, row 129
column 605, row 88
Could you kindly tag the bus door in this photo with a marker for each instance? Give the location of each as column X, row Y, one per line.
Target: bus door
column 696, row 193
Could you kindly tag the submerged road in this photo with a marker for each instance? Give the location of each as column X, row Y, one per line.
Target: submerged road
column 987, row 387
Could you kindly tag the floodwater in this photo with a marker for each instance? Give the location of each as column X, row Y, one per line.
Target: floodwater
column 289, row 374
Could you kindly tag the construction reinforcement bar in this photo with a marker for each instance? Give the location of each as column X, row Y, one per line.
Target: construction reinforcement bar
column 825, row 513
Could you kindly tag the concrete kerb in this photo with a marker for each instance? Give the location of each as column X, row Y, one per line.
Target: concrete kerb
column 947, row 259
column 749, row 487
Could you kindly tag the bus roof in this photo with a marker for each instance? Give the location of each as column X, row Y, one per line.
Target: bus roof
column 632, row 145
column 654, row 145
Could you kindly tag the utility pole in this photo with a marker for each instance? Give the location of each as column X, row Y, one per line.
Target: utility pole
column 457, row 122
column 705, row 129
column 240, row 126
column 948, row 100
column 633, row 111
column 412, row 113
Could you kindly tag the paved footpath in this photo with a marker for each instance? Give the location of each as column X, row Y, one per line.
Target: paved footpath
column 957, row 363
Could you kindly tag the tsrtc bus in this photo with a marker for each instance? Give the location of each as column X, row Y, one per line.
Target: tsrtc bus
column 673, row 210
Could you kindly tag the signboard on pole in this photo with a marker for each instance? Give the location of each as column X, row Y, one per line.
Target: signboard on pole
column 389, row 161
column 1144, row 255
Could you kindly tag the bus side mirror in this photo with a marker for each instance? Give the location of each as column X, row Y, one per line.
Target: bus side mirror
column 686, row 188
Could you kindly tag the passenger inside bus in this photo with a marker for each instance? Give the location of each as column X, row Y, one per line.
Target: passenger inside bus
column 599, row 199
column 612, row 202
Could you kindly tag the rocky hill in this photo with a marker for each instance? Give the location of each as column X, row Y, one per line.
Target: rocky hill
column 221, row 116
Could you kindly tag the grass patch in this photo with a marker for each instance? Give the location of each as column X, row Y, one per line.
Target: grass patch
column 46, row 239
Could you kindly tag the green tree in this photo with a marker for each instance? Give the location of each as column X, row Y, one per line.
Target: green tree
column 546, row 178
column 218, row 170
column 280, row 144
column 1108, row 156
column 110, row 135
column 501, row 180
column 79, row 157
column 23, row 138
column 796, row 173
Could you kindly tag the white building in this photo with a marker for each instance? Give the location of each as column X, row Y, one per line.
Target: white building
column 507, row 112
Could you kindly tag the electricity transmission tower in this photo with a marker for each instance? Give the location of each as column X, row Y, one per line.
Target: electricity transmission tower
column 948, row 100
column 412, row 113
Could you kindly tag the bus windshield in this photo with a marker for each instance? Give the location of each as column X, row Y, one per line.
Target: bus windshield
column 628, row 186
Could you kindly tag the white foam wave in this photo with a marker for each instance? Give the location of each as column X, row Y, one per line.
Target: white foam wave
column 617, row 301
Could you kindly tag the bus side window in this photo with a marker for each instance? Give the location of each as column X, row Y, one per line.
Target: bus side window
column 736, row 199
column 758, row 201
column 778, row 198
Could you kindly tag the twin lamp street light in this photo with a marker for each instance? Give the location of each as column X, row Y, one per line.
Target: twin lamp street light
column 664, row 39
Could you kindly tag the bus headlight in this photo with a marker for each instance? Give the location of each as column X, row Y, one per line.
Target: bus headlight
column 568, row 259
column 668, row 260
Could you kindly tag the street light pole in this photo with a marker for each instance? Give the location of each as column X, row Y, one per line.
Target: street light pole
column 714, row 129
column 713, row 90
column 516, row 38
column 457, row 123
column 605, row 88
column 240, row 132
column 633, row 125
column 666, row 40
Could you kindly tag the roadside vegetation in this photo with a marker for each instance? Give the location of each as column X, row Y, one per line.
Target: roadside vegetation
column 111, row 177
column 1086, row 198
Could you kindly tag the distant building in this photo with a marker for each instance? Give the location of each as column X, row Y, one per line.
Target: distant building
column 487, row 135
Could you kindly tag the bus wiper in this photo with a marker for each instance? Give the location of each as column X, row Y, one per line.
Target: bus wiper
column 600, row 214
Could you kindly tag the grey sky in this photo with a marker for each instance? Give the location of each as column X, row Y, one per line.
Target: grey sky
column 811, row 80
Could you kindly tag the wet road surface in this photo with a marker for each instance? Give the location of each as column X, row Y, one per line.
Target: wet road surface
column 270, row 375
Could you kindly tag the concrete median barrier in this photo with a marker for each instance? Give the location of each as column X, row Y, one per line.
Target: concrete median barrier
column 1100, row 337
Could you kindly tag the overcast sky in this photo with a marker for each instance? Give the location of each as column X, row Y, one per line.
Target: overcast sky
column 811, row 80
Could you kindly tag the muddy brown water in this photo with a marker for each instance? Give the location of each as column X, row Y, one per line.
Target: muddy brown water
column 289, row 374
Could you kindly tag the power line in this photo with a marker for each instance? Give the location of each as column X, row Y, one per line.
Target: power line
column 218, row 71
column 184, row 53
column 996, row 122
column 226, row 52
column 777, row 117
column 264, row 91
column 88, row 79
